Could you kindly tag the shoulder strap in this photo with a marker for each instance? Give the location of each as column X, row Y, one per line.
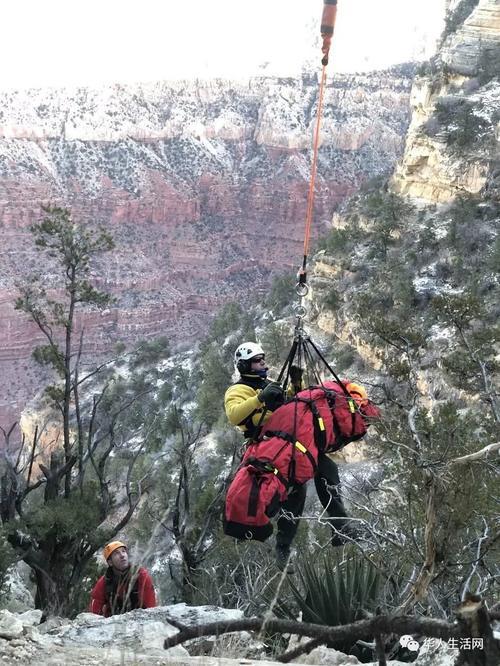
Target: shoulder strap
column 288, row 437
column 123, row 604
column 319, row 428
column 266, row 466
column 110, row 586
column 318, row 423
column 134, row 593
column 251, row 429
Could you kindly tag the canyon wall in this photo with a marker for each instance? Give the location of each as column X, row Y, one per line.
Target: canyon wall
column 451, row 155
column 465, row 74
column 202, row 184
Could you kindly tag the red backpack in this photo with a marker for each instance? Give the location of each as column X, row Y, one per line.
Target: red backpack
column 342, row 420
column 254, row 496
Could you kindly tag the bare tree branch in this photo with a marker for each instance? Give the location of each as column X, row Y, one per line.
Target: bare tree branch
column 482, row 368
column 305, row 648
column 361, row 630
column 478, row 455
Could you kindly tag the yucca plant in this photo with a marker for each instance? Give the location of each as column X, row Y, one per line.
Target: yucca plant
column 334, row 591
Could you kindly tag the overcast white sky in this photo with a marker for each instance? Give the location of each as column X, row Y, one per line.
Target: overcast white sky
column 78, row 42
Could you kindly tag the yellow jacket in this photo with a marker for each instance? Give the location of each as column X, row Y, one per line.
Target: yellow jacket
column 242, row 404
column 243, row 407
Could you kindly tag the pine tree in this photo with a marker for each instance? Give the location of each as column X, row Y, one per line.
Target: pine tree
column 61, row 495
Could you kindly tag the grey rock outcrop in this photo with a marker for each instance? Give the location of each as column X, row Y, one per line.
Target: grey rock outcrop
column 10, row 625
column 477, row 43
column 465, row 82
column 16, row 597
column 136, row 637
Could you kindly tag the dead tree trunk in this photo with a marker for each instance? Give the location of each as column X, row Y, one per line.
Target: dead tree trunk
column 475, row 625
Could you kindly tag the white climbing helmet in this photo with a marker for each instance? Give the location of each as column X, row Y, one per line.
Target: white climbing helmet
column 246, row 351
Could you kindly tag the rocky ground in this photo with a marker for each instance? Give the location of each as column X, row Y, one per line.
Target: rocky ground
column 137, row 638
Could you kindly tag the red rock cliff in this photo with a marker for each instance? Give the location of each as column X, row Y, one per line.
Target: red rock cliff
column 202, row 184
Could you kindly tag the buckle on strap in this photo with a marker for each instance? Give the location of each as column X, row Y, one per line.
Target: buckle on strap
column 280, row 434
column 267, row 466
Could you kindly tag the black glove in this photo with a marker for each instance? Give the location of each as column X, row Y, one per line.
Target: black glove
column 272, row 396
column 296, row 375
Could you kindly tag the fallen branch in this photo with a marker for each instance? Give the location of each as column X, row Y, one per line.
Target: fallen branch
column 304, row 648
column 362, row 630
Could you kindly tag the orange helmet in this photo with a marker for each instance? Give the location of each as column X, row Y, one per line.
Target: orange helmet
column 110, row 548
column 358, row 392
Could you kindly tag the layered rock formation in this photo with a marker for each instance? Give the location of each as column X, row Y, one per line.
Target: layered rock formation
column 465, row 74
column 476, row 45
column 451, row 159
column 202, row 184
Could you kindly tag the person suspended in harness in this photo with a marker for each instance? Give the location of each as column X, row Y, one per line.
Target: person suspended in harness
column 122, row 588
column 246, row 399
column 244, row 402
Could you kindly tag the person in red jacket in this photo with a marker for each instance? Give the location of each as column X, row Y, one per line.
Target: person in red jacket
column 122, row 588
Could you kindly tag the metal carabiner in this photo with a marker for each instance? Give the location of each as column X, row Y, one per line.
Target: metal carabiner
column 301, row 289
column 300, row 310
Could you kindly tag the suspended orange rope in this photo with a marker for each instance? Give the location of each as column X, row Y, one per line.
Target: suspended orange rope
column 312, row 182
column 327, row 28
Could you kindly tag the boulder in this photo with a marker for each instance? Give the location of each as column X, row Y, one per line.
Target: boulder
column 10, row 625
column 139, row 630
column 16, row 597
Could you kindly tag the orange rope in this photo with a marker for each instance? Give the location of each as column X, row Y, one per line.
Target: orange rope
column 310, row 196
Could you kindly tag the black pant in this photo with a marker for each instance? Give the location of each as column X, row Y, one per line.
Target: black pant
column 327, row 484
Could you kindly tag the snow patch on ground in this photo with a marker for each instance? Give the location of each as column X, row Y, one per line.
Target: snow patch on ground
column 441, row 332
column 427, row 284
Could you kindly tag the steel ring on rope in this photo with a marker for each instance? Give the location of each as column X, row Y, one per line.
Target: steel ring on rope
column 300, row 311
column 301, row 289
